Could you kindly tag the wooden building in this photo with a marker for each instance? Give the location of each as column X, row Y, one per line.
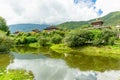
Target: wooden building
column 17, row 32
column 97, row 23
column 36, row 30
column 51, row 28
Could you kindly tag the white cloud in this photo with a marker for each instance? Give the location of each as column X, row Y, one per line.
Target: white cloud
column 53, row 11
column 44, row 11
column 108, row 6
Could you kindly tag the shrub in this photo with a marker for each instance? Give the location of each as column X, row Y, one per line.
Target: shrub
column 5, row 44
column 43, row 41
column 108, row 36
column 111, row 40
column 56, row 39
column 30, row 39
column 75, row 39
column 97, row 37
column 25, row 40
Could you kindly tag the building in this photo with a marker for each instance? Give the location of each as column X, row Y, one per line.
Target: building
column 97, row 23
column 36, row 30
column 51, row 28
column 17, row 32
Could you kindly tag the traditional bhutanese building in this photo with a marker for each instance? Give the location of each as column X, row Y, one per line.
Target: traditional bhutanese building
column 17, row 32
column 97, row 23
column 36, row 30
column 51, row 28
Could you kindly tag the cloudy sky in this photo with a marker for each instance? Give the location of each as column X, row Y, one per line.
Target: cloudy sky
column 55, row 11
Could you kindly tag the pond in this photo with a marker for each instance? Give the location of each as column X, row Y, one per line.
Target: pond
column 47, row 65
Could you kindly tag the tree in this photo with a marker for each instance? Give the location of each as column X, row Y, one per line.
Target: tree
column 5, row 42
column 56, row 39
column 3, row 25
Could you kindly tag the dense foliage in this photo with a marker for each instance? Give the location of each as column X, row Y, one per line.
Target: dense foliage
column 42, row 38
column 82, row 37
column 5, row 42
column 74, row 38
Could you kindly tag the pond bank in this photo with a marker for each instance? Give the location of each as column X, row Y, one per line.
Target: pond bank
column 104, row 51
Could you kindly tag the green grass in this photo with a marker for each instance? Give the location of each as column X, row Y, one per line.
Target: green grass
column 104, row 51
column 34, row 45
column 15, row 75
column 61, row 48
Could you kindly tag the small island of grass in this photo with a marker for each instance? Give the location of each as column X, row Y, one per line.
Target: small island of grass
column 15, row 75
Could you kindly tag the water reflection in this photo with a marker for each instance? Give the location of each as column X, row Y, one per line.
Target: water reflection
column 4, row 59
column 45, row 68
column 85, row 63
column 93, row 63
column 26, row 49
column 74, row 60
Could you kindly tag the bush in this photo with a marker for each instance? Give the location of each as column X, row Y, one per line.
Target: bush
column 108, row 36
column 5, row 44
column 56, row 39
column 111, row 40
column 43, row 41
column 74, row 39
column 97, row 37
column 25, row 39
column 30, row 39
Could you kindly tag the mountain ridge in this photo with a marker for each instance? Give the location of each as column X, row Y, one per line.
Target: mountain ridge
column 111, row 19
column 28, row 27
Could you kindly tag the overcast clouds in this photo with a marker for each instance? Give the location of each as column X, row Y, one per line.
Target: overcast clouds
column 55, row 11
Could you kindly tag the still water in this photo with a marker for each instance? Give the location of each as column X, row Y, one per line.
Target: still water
column 48, row 65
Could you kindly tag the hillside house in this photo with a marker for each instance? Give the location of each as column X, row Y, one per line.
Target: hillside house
column 51, row 28
column 17, row 32
column 36, row 30
column 97, row 23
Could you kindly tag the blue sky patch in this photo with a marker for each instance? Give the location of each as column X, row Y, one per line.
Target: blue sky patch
column 94, row 1
column 77, row 1
column 100, row 12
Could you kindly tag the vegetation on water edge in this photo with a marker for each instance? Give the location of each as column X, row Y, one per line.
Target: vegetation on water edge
column 5, row 42
column 61, row 48
column 104, row 51
column 15, row 75
column 41, row 39
column 81, row 37
column 82, row 41
column 74, row 38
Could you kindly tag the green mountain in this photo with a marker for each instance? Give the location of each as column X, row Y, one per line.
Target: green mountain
column 112, row 19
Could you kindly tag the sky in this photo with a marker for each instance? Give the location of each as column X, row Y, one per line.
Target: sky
column 55, row 11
